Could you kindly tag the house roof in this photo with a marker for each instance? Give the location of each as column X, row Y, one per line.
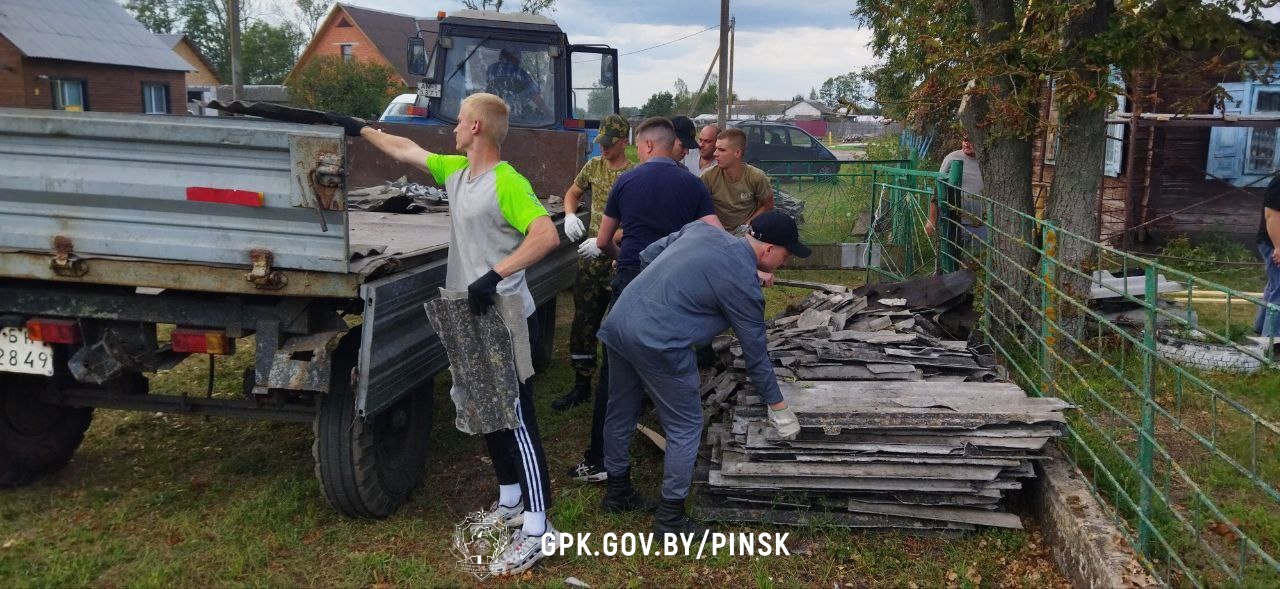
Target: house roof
column 822, row 108
column 172, row 41
column 90, row 31
column 388, row 31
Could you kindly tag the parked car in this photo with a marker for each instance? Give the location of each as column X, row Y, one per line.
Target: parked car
column 404, row 109
column 776, row 142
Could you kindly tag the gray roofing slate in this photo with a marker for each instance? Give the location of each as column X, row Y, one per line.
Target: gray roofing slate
column 91, row 31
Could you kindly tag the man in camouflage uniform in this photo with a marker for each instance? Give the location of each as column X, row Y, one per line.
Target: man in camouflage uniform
column 591, row 291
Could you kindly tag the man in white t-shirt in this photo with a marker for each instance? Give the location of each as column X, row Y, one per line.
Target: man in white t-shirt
column 972, row 210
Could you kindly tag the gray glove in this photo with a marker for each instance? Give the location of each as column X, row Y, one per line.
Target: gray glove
column 784, row 420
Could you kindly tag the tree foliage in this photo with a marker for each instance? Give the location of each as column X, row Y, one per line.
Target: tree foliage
column 529, row 6
column 356, row 87
column 850, row 87
column 660, row 104
column 310, row 13
column 268, row 49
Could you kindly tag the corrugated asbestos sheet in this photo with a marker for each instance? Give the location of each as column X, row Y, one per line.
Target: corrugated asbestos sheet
column 904, row 425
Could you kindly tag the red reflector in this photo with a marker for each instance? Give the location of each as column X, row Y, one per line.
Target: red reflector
column 574, row 123
column 54, row 331
column 225, row 196
column 416, row 111
column 197, row 341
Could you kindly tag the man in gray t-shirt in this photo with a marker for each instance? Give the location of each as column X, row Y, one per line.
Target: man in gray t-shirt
column 972, row 210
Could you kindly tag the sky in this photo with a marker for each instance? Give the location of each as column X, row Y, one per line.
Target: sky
column 783, row 48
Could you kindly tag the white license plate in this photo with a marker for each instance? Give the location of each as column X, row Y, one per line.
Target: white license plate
column 19, row 354
column 426, row 90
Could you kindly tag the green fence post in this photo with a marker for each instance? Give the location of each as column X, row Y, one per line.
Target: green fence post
column 1048, row 310
column 984, row 320
column 1146, row 440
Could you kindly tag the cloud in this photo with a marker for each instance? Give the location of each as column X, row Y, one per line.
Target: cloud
column 783, row 48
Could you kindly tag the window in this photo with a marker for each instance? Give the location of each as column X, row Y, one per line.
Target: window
column 1114, row 154
column 348, row 51
column 520, row 72
column 800, row 138
column 68, row 95
column 155, row 98
column 1240, row 155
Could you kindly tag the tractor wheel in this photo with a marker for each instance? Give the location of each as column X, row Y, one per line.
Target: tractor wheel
column 35, row 437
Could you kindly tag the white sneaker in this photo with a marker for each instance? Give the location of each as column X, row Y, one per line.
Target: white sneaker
column 500, row 514
column 523, row 553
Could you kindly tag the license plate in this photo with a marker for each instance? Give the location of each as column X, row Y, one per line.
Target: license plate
column 426, row 90
column 19, row 354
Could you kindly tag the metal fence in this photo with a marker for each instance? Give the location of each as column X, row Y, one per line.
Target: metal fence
column 1176, row 427
column 827, row 197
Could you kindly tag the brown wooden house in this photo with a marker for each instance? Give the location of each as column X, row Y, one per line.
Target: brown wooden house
column 202, row 81
column 1182, row 165
column 86, row 55
column 352, row 32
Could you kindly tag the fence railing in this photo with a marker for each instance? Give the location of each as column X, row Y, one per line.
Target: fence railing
column 832, row 195
column 1176, row 427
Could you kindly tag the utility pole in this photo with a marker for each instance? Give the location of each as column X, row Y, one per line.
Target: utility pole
column 722, row 105
column 733, row 28
column 233, row 39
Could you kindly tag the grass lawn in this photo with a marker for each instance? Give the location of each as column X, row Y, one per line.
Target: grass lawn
column 154, row 500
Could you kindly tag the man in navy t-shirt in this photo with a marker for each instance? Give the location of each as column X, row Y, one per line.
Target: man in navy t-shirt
column 648, row 203
column 652, row 201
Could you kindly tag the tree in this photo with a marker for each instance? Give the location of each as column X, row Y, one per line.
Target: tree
column 600, row 101
column 159, row 16
column 310, row 13
column 797, row 98
column 529, row 6
column 813, row 93
column 660, row 104
column 847, row 86
column 270, row 51
column 359, row 88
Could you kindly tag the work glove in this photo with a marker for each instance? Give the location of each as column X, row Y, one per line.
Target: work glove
column 573, row 228
column 351, row 125
column 588, row 250
column 480, row 293
column 784, row 420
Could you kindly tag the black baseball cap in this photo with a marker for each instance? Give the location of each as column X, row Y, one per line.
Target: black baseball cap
column 684, row 131
column 776, row 228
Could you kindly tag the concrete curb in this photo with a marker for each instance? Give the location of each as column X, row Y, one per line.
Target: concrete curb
column 1086, row 545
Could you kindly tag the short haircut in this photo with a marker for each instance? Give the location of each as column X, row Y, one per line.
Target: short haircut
column 491, row 111
column 658, row 130
column 735, row 137
column 711, row 126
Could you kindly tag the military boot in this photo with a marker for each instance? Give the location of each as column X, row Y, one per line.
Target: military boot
column 620, row 496
column 671, row 519
column 579, row 394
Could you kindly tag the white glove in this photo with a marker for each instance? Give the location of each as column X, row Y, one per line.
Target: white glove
column 573, row 228
column 784, row 420
column 588, row 249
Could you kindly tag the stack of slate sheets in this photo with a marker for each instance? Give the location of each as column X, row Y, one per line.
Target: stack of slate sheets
column 931, row 448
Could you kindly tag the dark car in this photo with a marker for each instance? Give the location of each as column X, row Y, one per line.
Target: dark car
column 777, row 142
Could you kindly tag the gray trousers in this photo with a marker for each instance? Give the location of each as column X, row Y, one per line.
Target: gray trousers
column 672, row 378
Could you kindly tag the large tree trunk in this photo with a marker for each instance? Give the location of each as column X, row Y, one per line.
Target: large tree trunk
column 997, row 115
column 1073, row 198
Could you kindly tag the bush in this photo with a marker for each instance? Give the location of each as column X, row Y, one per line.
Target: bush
column 354, row 87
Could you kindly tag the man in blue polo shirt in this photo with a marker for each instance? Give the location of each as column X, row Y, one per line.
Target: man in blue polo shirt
column 648, row 203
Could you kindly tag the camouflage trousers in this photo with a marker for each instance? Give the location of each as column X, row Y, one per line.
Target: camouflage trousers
column 591, row 295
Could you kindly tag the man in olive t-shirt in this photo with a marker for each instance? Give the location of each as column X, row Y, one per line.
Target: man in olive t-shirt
column 739, row 191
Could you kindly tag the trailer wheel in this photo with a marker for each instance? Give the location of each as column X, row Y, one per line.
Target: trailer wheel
column 368, row 468
column 35, row 436
column 546, row 349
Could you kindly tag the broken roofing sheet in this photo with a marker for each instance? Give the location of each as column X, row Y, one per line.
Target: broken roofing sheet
column 903, row 424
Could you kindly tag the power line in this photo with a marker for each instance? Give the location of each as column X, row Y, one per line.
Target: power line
column 670, row 42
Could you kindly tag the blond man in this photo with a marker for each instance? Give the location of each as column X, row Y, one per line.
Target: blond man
column 739, row 191
column 497, row 228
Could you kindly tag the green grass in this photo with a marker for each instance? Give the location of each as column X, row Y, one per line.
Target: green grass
column 156, row 500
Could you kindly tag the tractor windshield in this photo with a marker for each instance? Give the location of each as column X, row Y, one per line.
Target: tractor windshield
column 521, row 73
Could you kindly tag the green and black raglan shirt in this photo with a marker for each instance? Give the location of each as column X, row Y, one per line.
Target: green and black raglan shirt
column 488, row 218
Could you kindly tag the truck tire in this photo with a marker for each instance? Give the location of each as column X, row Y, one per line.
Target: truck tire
column 546, row 349
column 35, row 436
column 368, row 468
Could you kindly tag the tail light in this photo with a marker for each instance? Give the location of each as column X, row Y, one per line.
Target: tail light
column 54, row 331
column 199, row 341
column 416, row 111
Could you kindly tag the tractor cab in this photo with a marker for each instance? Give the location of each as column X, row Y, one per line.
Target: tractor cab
column 526, row 59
